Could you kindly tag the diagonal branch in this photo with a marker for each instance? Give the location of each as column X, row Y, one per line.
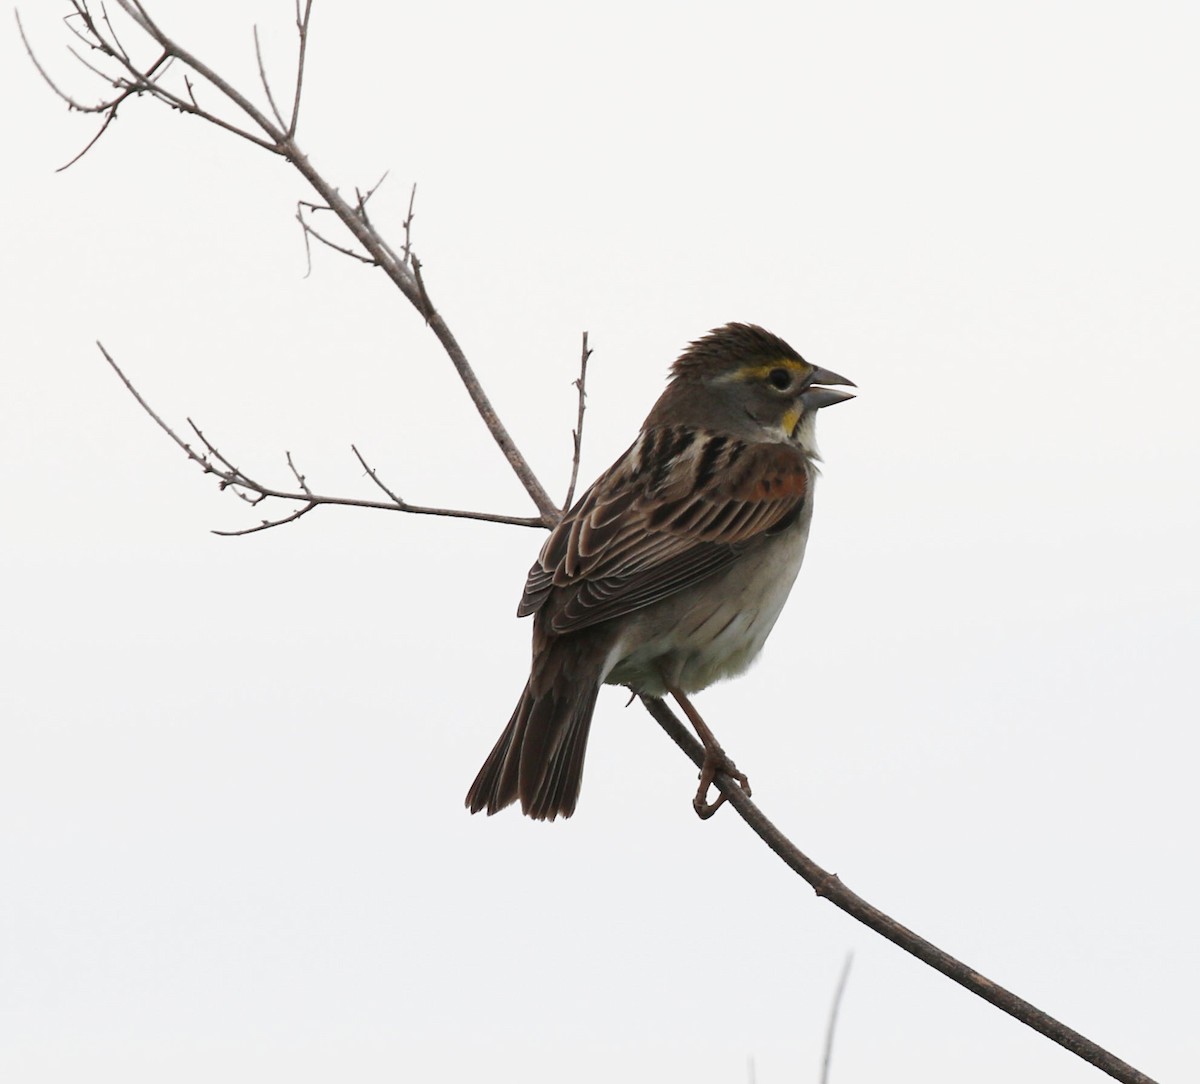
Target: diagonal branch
column 410, row 282
column 280, row 138
column 830, row 886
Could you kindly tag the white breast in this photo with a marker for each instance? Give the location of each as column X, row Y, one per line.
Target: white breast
column 715, row 629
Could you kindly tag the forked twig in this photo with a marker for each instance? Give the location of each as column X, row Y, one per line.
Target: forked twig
column 309, row 230
column 231, row 476
column 280, row 138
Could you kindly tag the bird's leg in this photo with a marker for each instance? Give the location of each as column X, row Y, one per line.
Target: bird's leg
column 716, row 760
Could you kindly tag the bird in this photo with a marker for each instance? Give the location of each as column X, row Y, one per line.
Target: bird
column 670, row 571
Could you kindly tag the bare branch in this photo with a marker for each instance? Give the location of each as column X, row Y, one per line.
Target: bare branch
column 407, row 224
column 830, row 886
column 297, row 475
column 120, row 52
column 87, row 63
column 374, row 476
column 187, row 448
column 232, row 477
column 364, row 197
column 72, row 103
column 134, row 82
column 266, row 83
column 112, row 115
column 312, row 231
column 274, row 133
column 577, row 434
column 831, row 1029
column 302, row 22
column 267, row 524
column 405, row 272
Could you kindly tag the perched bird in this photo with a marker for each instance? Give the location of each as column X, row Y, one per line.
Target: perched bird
column 668, row 574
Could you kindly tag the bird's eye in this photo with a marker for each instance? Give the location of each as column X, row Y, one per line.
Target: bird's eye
column 780, row 378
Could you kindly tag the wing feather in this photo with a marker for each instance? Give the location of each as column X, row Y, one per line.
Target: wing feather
column 677, row 507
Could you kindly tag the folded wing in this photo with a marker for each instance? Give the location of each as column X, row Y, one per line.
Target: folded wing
column 677, row 507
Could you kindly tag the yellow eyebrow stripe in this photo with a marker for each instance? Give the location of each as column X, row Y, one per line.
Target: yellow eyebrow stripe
column 759, row 372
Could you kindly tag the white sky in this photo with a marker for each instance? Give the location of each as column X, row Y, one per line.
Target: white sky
column 231, row 770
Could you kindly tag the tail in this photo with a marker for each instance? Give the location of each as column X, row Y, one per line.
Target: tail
column 539, row 757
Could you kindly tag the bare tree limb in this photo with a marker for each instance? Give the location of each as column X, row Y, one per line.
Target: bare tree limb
column 577, row 434
column 829, row 886
column 230, row 476
column 279, row 138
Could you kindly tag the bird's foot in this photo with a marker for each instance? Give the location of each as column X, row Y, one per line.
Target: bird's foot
column 716, row 762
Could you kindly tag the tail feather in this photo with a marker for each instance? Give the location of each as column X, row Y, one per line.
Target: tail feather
column 555, row 779
column 539, row 757
column 496, row 784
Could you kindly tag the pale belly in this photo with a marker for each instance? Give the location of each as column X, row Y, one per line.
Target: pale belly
column 713, row 630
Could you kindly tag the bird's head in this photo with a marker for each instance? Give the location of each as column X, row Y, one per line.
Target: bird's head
column 744, row 380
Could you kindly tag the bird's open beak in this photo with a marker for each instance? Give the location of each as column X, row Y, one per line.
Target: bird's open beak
column 815, row 397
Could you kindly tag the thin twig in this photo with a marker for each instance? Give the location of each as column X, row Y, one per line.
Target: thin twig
column 831, row 1028
column 310, row 230
column 72, row 103
column 122, row 55
column 830, row 886
column 374, row 476
column 87, row 63
column 91, row 142
column 266, row 84
column 364, row 197
column 267, row 524
column 302, row 24
column 577, row 434
column 187, row 448
column 407, row 225
column 230, row 476
column 297, row 475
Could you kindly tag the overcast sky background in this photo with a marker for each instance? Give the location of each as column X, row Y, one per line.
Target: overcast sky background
column 231, row 770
